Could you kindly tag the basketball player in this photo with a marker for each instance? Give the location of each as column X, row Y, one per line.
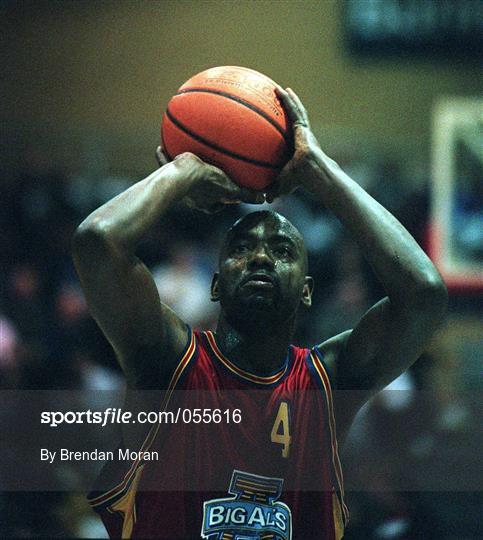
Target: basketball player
column 276, row 473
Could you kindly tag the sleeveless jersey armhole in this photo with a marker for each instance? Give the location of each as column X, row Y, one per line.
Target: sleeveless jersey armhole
column 182, row 366
column 319, row 372
column 320, row 355
column 117, row 505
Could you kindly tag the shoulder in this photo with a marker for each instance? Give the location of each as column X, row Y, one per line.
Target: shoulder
column 330, row 350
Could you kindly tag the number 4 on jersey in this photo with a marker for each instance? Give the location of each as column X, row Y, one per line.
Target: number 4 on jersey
column 280, row 431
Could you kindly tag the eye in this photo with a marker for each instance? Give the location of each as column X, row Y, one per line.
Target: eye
column 283, row 251
column 240, row 249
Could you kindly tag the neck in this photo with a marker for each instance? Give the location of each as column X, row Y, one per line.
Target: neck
column 260, row 352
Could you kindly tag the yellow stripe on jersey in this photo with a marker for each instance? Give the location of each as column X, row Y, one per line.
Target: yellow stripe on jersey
column 338, row 517
column 241, row 372
column 126, row 505
column 183, row 363
column 333, row 436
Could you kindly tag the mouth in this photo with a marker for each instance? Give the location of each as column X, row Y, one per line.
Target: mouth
column 259, row 280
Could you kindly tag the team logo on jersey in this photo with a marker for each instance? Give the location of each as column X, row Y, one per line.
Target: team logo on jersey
column 252, row 513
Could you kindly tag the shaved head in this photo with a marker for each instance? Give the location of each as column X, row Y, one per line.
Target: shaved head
column 262, row 274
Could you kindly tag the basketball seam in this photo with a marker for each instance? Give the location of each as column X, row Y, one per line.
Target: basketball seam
column 243, row 102
column 229, row 153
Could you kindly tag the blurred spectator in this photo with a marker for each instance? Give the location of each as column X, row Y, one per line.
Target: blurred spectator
column 184, row 278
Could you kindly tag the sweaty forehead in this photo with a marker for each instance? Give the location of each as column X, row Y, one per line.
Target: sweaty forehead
column 264, row 224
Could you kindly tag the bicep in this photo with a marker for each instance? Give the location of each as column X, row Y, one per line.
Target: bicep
column 385, row 342
column 123, row 299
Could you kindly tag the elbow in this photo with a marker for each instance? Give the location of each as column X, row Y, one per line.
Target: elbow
column 431, row 295
column 89, row 236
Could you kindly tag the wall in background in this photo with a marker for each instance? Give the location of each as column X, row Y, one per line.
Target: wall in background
column 103, row 70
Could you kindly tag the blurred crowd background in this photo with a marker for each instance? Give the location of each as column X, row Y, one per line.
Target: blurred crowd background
column 85, row 83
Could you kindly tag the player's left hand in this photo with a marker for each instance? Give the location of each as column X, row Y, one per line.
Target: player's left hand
column 300, row 169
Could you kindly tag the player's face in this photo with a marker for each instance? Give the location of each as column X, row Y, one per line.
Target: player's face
column 262, row 272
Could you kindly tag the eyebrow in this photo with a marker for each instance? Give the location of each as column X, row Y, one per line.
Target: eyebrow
column 277, row 237
column 284, row 238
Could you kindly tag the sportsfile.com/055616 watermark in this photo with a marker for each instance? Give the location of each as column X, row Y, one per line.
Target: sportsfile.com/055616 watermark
column 113, row 415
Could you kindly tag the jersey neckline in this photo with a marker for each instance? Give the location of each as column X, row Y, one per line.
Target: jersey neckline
column 270, row 380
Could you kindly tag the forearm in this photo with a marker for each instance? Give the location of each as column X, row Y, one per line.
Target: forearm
column 126, row 218
column 399, row 263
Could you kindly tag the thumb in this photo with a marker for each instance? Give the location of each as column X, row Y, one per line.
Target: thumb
column 161, row 156
column 282, row 184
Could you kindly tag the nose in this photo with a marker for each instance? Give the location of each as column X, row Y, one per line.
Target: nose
column 260, row 257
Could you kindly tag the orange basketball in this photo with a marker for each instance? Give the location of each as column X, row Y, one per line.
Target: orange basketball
column 230, row 117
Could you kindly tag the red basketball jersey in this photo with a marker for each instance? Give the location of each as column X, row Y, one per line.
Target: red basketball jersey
column 262, row 463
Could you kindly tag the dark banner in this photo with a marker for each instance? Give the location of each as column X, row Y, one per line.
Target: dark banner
column 401, row 440
column 425, row 28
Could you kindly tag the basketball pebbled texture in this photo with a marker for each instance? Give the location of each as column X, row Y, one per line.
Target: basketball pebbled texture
column 230, row 117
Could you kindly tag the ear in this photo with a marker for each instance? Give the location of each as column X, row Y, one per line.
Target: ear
column 307, row 291
column 214, row 288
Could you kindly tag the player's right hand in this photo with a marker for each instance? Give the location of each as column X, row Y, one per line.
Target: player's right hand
column 301, row 170
column 210, row 189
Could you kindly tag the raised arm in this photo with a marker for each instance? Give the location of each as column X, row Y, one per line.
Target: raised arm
column 147, row 336
column 394, row 332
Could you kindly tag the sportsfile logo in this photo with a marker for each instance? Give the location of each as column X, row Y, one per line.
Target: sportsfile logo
column 252, row 512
